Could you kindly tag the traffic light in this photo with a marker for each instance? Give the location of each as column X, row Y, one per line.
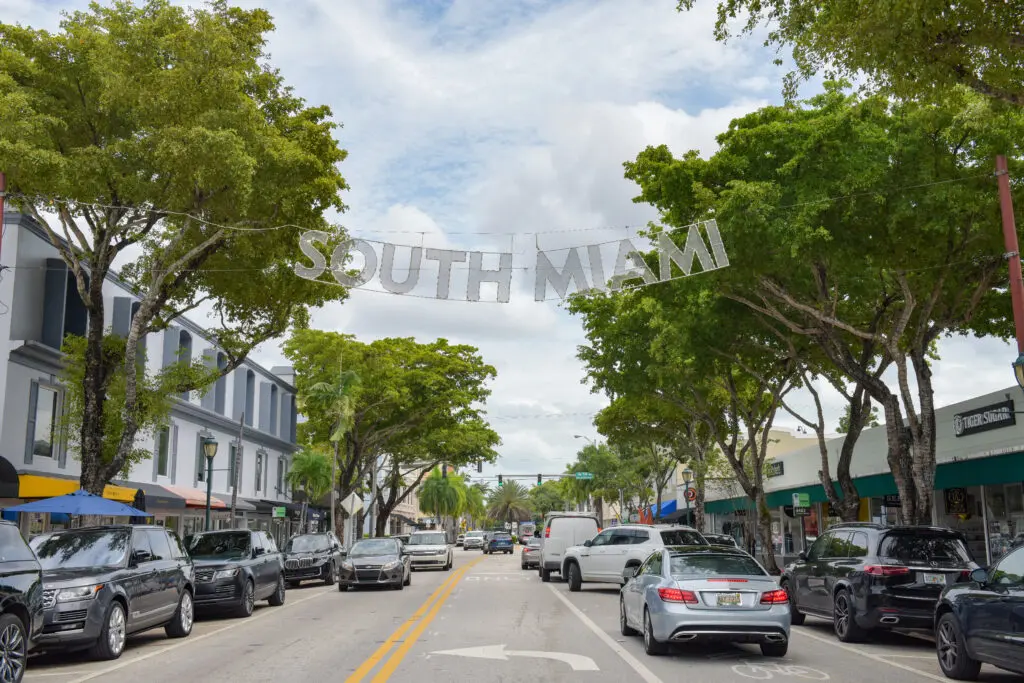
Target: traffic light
column 540, row 479
column 500, row 483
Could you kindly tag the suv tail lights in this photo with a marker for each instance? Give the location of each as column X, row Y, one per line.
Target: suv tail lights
column 677, row 595
column 886, row 570
column 547, row 531
column 776, row 597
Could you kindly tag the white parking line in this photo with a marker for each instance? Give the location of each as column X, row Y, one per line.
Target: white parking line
column 634, row 663
column 869, row 655
column 190, row 640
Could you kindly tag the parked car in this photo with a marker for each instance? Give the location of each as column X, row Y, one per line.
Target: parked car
column 104, row 583
column 722, row 539
column 429, row 550
column 602, row 558
column 499, row 542
column 404, row 538
column 235, row 568
column 563, row 530
column 685, row 594
column 312, row 556
column 865, row 576
column 376, row 562
column 460, row 539
column 21, row 601
column 980, row 621
column 531, row 554
column 474, row 540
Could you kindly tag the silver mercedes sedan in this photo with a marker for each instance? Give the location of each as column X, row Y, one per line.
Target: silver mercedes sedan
column 684, row 594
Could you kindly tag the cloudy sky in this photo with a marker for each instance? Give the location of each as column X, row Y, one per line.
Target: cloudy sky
column 502, row 126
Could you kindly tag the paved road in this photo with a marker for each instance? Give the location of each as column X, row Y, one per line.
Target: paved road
column 532, row 631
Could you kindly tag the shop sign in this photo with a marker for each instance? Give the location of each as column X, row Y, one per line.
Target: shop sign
column 802, row 512
column 891, row 501
column 280, row 512
column 801, row 500
column 995, row 416
column 776, row 469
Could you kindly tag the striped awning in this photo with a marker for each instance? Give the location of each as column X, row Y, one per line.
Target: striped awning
column 194, row 498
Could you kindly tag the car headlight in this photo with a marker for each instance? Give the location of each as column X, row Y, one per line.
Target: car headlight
column 224, row 574
column 393, row 565
column 78, row 593
column 347, row 566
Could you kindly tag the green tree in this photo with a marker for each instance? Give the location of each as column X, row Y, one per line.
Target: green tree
column 865, row 227
column 334, row 399
column 545, row 498
column 443, row 497
column 161, row 134
column 476, row 504
column 311, row 472
column 602, row 461
column 510, row 503
column 418, row 404
column 910, row 49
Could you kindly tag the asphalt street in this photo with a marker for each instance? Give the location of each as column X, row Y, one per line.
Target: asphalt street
column 486, row 621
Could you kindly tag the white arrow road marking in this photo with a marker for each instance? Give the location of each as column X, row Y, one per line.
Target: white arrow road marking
column 577, row 662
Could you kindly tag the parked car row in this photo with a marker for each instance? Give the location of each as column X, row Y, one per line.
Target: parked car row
column 680, row 586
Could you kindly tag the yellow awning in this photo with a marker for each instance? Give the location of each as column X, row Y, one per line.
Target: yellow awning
column 39, row 486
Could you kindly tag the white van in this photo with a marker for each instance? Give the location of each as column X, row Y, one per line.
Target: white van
column 563, row 530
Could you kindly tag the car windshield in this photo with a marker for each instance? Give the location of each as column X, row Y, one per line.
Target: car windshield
column 375, row 546
column 307, row 543
column 475, row 534
column 428, row 539
column 714, row 565
column 225, row 545
column 534, row 543
column 925, row 548
column 84, row 549
column 682, row 537
column 502, row 537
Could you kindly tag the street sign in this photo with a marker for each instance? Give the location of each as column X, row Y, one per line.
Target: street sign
column 280, row 512
column 352, row 504
column 508, row 526
column 691, row 495
column 584, row 475
column 801, row 500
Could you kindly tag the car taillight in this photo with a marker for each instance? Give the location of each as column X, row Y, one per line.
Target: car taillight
column 676, row 595
column 777, row 597
column 886, row 570
column 547, row 532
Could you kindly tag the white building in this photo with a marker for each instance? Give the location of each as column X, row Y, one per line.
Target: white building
column 39, row 305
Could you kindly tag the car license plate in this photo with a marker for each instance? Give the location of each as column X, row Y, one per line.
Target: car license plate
column 935, row 579
column 728, row 599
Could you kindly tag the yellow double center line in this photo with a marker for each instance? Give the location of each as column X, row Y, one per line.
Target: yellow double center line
column 424, row 615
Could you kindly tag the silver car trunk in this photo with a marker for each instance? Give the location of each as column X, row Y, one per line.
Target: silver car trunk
column 733, row 593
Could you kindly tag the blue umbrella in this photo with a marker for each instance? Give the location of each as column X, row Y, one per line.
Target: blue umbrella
column 81, row 502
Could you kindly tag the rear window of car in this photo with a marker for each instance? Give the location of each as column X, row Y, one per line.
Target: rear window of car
column 586, row 524
column 534, row 543
column 682, row 537
column 502, row 537
column 913, row 548
column 714, row 565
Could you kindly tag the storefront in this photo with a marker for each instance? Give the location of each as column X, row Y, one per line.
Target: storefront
column 979, row 484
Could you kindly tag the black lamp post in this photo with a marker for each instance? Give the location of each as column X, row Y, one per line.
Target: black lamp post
column 687, row 480
column 210, row 450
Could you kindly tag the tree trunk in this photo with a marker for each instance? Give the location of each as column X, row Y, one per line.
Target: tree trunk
column 94, row 389
column 923, row 453
column 764, row 529
column 657, row 504
column 698, row 502
column 380, row 523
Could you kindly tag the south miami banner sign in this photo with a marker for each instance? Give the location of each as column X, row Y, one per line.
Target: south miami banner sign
column 703, row 244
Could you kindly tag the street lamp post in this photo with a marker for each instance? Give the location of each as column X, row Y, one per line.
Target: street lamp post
column 687, row 479
column 210, row 450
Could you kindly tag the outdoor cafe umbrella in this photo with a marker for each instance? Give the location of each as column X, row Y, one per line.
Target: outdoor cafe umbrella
column 81, row 502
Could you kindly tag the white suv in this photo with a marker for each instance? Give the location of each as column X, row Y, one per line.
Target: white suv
column 603, row 558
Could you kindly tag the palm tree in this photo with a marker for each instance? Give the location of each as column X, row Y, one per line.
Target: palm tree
column 510, row 503
column 476, row 507
column 336, row 400
column 311, row 472
column 442, row 496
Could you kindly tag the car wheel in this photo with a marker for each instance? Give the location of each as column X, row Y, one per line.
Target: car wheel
column 180, row 624
column 774, row 649
column 248, row 602
column 844, row 621
column 624, row 626
column 652, row 645
column 342, row 588
column 545, row 575
column 953, row 658
column 332, row 575
column 574, row 578
column 408, row 579
column 277, row 599
column 796, row 617
column 113, row 634
column 13, row 647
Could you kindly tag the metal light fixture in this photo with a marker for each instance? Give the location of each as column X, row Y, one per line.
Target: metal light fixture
column 210, row 450
column 210, row 447
column 1018, row 370
column 687, row 475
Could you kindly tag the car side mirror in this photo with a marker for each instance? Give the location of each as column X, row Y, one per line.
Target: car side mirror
column 256, row 552
column 140, row 556
column 803, row 555
column 629, row 572
column 587, row 543
column 980, row 575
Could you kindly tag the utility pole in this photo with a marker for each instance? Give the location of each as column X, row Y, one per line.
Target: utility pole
column 237, row 466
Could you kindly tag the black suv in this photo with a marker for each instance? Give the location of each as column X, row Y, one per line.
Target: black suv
column 21, row 594
column 312, row 556
column 867, row 576
column 102, row 583
column 235, row 568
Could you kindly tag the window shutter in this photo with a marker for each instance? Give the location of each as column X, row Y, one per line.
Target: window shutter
column 264, row 423
column 197, row 469
column 238, row 394
column 156, row 451
column 54, row 301
column 174, row 453
column 61, row 433
column 172, row 337
column 30, row 435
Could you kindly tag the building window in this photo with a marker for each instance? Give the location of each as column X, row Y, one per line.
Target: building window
column 184, row 354
column 250, row 396
column 233, row 455
column 45, row 422
column 259, row 471
column 273, row 409
column 220, row 387
column 163, row 451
